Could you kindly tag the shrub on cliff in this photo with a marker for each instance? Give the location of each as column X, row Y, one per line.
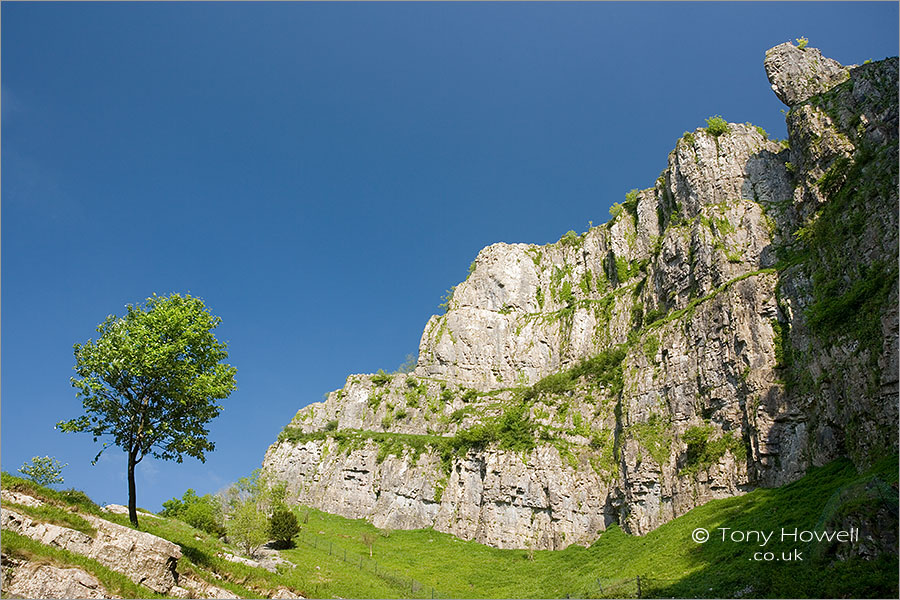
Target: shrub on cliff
column 716, row 126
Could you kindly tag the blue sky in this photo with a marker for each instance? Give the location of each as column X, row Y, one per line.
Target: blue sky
column 320, row 173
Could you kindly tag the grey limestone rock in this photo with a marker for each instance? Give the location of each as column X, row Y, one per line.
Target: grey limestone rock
column 798, row 73
column 24, row 579
column 144, row 558
column 687, row 295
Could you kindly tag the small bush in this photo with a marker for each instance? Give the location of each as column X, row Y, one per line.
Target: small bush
column 654, row 315
column 44, row 471
column 457, row 415
column 331, row 425
column 381, row 378
column 802, row 42
column 283, row 526
column 570, row 238
column 651, row 347
column 631, row 202
column 716, row 126
column 202, row 512
column 703, row 451
column 446, row 299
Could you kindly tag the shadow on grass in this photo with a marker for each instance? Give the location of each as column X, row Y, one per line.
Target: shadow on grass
column 734, row 562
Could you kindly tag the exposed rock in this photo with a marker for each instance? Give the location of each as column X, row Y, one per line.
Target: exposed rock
column 10, row 496
column 797, row 73
column 694, row 298
column 118, row 509
column 285, row 594
column 192, row 587
column 25, row 579
column 144, row 558
column 239, row 559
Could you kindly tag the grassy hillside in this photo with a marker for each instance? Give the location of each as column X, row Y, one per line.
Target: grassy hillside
column 333, row 560
column 667, row 560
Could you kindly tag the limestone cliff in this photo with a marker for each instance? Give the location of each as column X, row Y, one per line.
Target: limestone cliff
column 726, row 329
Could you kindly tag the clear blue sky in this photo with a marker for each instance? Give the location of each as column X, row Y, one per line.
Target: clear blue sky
column 320, row 173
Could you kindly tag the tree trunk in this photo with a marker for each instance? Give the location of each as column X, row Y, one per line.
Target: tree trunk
column 132, row 496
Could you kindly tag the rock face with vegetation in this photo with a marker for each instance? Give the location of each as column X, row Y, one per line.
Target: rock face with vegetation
column 62, row 545
column 728, row 328
column 144, row 558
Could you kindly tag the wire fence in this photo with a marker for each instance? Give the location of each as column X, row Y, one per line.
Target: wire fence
column 403, row 581
column 634, row 587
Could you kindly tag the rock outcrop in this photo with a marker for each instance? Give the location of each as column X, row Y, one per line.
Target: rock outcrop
column 729, row 327
column 798, row 73
column 24, row 579
column 144, row 558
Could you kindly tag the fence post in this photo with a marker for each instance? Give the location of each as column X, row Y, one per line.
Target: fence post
column 432, row 593
column 639, row 586
column 330, row 547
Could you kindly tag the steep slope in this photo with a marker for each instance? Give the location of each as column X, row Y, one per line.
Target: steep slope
column 728, row 328
column 62, row 545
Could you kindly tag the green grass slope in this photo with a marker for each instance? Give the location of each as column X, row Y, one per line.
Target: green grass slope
column 667, row 560
column 333, row 559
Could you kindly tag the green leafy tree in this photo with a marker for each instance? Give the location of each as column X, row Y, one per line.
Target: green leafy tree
column 258, row 488
column 202, row 512
column 248, row 527
column 152, row 382
column 283, row 526
column 45, row 470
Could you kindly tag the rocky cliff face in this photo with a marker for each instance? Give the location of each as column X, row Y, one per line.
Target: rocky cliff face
column 727, row 328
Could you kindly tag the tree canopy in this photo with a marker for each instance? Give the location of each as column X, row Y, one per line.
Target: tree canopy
column 152, row 381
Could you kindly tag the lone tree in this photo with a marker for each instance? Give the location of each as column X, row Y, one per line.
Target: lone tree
column 152, row 381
